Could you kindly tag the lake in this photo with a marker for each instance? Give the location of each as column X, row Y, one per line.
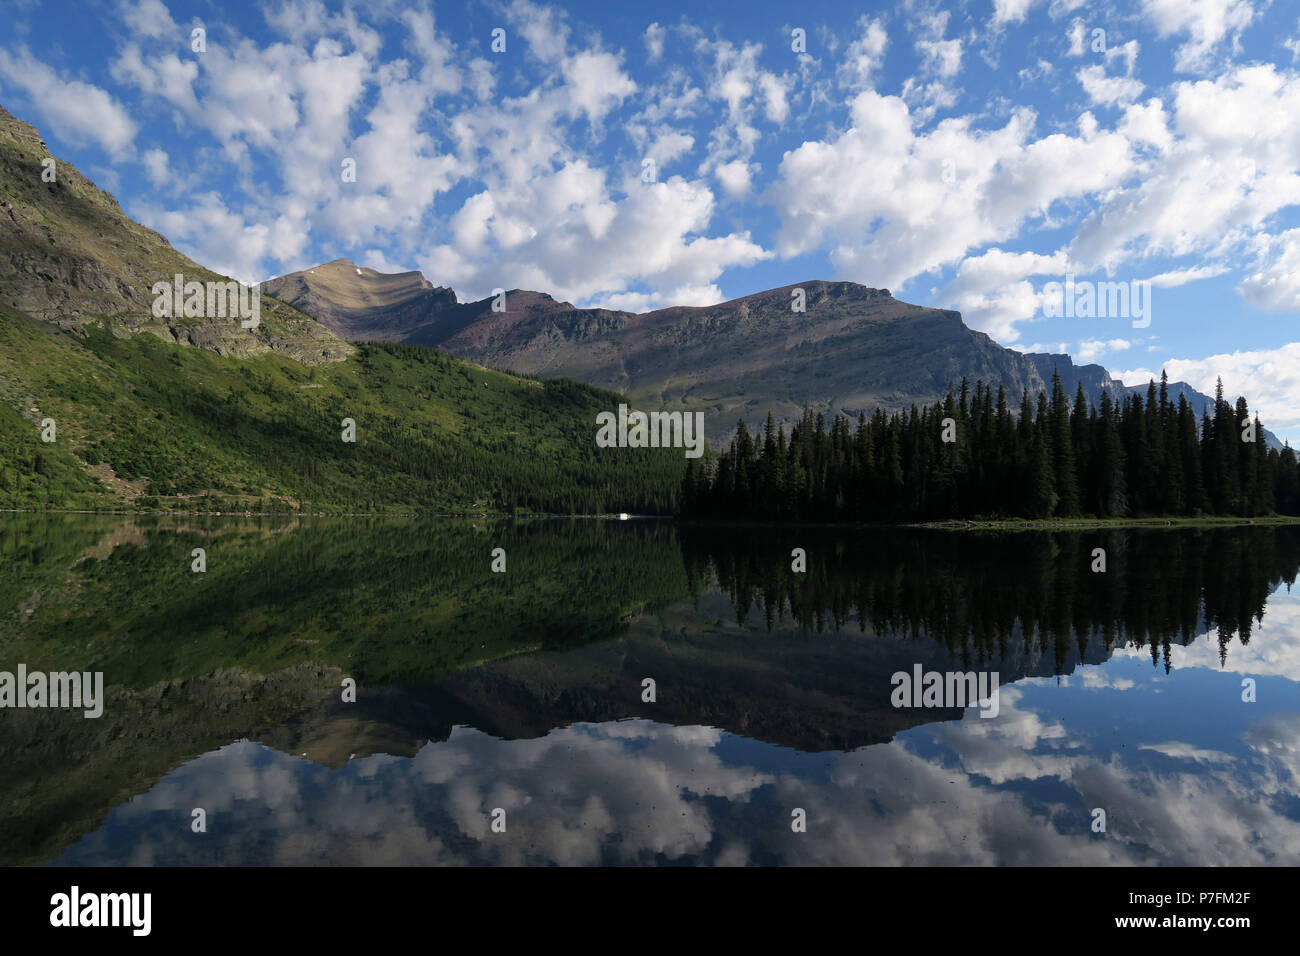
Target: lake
column 1147, row 714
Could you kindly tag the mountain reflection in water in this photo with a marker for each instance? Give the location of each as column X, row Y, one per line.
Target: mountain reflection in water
column 523, row 691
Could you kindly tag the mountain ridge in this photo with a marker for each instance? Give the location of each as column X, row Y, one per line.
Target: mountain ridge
column 854, row 348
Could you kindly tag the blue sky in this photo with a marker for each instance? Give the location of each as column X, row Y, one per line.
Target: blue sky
column 963, row 155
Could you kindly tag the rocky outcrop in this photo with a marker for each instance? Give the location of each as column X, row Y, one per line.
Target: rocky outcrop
column 71, row 257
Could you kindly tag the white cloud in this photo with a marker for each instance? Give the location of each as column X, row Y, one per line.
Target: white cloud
column 738, row 81
column 1147, row 125
column 1205, row 23
column 471, row 224
column 669, row 145
column 589, row 245
column 543, row 28
column 1275, row 286
column 654, row 42
column 940, row 60
column 734, row 178
column 1224, row 161
column 1177, row 277
column 864, row 56
column 229, row 241
column 1090, row 350
column 992, row 292
column 156, row 167
column 166, row 76
column 1010, row 11
column 302, row 21
column 1292, row 45
column 939, row 56
column 1108, row 90
column 149, row 18
column 438, row 53
column 596, row 83
column 1105, row 89
column 78, row 111
column 1184, row 751
column 776, row 91
column 878, row 194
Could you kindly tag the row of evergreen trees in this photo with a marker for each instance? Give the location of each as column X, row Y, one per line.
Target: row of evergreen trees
column 970, row 455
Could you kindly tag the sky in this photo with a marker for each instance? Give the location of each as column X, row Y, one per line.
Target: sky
column 969, row 155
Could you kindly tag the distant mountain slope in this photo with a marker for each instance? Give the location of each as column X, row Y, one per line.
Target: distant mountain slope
column 361, row 304
column 853, row 349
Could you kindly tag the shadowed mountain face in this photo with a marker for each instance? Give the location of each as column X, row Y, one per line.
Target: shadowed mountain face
column 71, row 257
column 852, row 350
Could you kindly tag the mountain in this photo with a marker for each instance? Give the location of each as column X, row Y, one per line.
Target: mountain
column 852, row 350
column 70, row 256
column 200, row 413
column 361, row 304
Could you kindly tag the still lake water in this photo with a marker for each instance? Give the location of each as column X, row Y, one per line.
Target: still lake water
column 523, row 691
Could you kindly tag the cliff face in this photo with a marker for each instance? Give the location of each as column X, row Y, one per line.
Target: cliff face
column 851, row 349
column 71, row 257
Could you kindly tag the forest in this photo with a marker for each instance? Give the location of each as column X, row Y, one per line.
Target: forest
column 971, row 456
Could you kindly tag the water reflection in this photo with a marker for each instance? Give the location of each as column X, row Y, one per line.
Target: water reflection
column 773, row 694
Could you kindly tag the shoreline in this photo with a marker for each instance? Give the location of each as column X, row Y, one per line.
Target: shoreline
column 1013, row 524
column 951, row 524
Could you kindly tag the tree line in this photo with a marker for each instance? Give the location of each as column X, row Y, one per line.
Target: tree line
column 970, row 455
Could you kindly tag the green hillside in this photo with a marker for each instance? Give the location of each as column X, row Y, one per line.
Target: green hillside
column 146, row 424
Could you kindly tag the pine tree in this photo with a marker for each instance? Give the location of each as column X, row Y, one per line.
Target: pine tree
column 1042, row 496
column 897, row 467
column 1065, row 480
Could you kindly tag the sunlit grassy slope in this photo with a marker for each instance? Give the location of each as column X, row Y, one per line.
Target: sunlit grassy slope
column 148, row 424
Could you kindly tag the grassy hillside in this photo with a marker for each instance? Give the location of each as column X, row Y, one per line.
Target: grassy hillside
column 147, row 424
